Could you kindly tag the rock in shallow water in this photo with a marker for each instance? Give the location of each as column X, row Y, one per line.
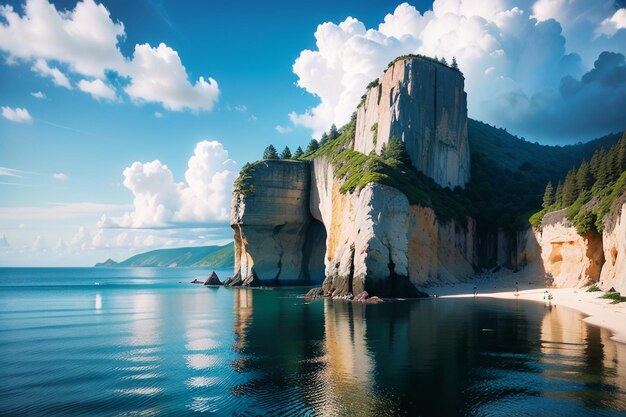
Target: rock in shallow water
column 213, row 279
column 314, row 293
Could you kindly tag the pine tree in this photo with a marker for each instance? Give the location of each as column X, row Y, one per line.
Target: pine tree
column 270, row 153
column 333, row 133
column 594, row 165
column 286, row 153
column 558, row 195
column 324, row 138
column 443, row 61
column 548, row 196
column 604, row 172
column 313, row 146
column 584, row 179
column 455, row 65
column 570, row 188
column 395, row 149
column 613, row 164
column 298, row 153
column 621, row 154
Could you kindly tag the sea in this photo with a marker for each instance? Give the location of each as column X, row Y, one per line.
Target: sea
column 147, row 342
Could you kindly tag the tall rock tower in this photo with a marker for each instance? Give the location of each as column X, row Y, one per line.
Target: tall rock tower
column 423, row 103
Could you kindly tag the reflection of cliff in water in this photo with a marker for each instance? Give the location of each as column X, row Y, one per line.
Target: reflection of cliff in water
column 441, row 357
column 578, row 352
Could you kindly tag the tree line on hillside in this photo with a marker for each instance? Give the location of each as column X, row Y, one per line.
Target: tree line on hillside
column 271, row 153
column 589, row 190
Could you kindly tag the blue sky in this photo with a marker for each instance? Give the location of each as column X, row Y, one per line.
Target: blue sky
column 532, row 66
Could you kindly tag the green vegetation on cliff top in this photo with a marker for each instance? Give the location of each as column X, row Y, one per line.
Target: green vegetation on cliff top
column 356, row 170
column 508, row 175
column 589, row 191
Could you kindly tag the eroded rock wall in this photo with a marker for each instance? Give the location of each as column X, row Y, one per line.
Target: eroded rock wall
column 366, row 244
column 573, row 260
column 271, row 222
column 422, row 103
column 439, row 252
column 378, row 242
column 613, row 273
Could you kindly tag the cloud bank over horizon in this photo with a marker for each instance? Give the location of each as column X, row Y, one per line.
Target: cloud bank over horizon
column 165, row 213
column 80, row 48
column 530, row 66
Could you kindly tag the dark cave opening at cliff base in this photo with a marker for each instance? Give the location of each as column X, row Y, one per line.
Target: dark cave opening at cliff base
column 314, row 251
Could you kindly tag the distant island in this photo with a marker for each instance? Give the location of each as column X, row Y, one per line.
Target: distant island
column 218, row 257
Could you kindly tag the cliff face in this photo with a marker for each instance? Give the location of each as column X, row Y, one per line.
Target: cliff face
column 366, row 247
column 613, row 273
column 295, row 225
column 293, row 222
column 271, row 222
column 423, row 104
column 438, row 251
column 577, row 261
column 573, row 260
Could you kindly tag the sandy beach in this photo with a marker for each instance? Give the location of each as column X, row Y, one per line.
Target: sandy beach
column 599, row 312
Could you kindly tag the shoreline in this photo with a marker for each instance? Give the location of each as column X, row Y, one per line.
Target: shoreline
column 599, row 312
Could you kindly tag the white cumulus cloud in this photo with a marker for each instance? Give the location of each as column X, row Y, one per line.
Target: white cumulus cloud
column 18, row 115
column 60, row 176
column 160, row 201
column 59, row 78
column 82, row 239
column 502, row 46
column 614, row 23
column 98, row 89
column 283, row 129
column 158, row 75
column 85, row 42
column 38, row 94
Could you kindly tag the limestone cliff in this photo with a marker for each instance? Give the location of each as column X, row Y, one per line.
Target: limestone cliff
column 573, row 260
column 271, row 220
column 355, row 221
column 294, row 222
column 613, row 273
column 578, row 261
column 422, row 103
column 292, row 219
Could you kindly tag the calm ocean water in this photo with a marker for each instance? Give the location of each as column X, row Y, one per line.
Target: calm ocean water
column 88, row 341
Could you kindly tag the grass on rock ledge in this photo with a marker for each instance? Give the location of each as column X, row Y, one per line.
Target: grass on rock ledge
column 355, row 170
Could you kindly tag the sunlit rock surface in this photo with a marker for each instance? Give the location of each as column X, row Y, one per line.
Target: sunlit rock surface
column 422, row 103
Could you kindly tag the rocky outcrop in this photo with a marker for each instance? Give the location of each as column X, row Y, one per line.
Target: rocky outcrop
column 271, row 221
column 572, row 260
column 369, row 240
column 422, row 103
column 292, row 223
column 613, row 273
column 213, row 279
column 366, row 245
